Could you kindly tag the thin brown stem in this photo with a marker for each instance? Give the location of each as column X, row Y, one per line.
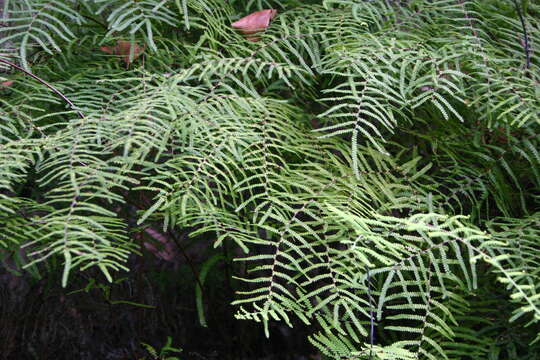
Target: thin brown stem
column 52, row 88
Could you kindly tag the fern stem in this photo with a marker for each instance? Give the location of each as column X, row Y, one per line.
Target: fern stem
column 371, row 321
column 52, row 88
column 526, row 45
column 188, row 260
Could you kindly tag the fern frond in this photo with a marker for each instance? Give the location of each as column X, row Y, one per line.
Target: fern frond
column 38, row 24
column 138, row 16
column 514, row 258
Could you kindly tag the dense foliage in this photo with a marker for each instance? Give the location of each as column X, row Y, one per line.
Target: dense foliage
column 373, row 165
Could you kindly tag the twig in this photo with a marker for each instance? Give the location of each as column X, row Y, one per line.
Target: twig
column 526, row 45
column 52, row 88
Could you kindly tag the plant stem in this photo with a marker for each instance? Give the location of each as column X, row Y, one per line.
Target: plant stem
column 52, row 88
column 525, row 36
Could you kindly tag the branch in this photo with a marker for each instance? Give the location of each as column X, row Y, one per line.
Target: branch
column 55, row 90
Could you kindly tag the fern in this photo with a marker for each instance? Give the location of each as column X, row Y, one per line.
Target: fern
column 43, row 24
column 137, row 16
column 375, row 162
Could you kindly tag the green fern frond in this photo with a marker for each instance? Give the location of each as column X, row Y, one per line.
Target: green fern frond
column 33, row 24
column 138, row 16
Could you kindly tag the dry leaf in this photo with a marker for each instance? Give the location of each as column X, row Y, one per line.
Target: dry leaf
column 123, row 47
column 254, row 23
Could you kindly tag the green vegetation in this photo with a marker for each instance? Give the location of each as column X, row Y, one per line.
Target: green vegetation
column 371, row 167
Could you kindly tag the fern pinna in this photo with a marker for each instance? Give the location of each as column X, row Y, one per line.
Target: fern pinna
column 375, row 162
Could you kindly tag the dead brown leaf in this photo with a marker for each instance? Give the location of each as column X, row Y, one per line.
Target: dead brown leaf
column 123, row 48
